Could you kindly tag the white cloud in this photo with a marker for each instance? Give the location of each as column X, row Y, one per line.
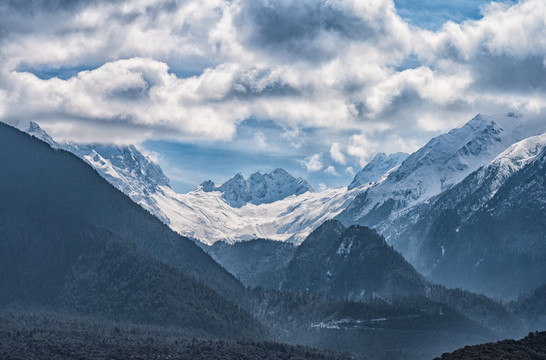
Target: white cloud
column 313, row 163
column 322, row 186
column 343, row 67
column 336, row 154
column 362, row 148
column 349, row 170
column 331, row 170
column 260, row 139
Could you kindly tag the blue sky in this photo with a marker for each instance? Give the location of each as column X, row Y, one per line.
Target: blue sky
column 216, row 87
column 432, row 14
column 257, row 146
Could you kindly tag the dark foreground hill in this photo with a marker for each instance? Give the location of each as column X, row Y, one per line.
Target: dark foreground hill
column 405, row 328
column 531, row 347
column 31, row 169
column 59, row 249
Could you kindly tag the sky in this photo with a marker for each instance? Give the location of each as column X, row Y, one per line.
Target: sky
column 211, row 88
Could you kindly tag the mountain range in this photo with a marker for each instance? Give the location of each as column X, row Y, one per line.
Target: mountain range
column 72, row 242
column 74, row 245
column 422, row 203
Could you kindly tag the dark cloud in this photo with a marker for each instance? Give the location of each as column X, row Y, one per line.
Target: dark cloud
column 504, row 73
column 34, row 7
column 137, row 93
column 27, row 17
column 260, row 85
column 294, row 27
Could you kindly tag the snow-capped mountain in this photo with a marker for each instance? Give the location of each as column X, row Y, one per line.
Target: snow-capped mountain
column 259, row 188
column 443, row 162
column 380, row 165
column 274, row 206
column 280, row 207
column 487, row 232
column 205, row 215
column 36, row 131
column 125, row 167
column 128, row 170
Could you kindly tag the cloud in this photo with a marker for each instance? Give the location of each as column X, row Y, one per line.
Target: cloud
column 331, row 170
column 194, row 71
column 322, row 186
column 336, row 154
column 349, row 170
column 135, row 93
column 313, row 163
column 260, row 139
column 361, row 147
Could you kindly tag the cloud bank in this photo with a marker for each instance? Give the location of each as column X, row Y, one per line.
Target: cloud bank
column 126, row 71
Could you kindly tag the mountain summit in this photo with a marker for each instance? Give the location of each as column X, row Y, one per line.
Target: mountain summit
column 443, row 162
column 259, row 188
column 380, row 165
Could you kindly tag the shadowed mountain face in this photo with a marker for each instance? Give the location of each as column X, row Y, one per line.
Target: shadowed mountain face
column 256, row 263
column 356, row 263
column 531, row 308
column 353, row 263
column 491, row 239
column 70, row 241
column 33, row 168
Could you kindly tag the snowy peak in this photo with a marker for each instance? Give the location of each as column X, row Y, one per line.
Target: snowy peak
column 35, row 130
column 207, row 186
column 380, row 165
column 447, row 159
column 488, row 179
column 260, row 188
column 128, row 170
column 236, row 191
column 521, row 153
column 443, row 162
column 122, row 165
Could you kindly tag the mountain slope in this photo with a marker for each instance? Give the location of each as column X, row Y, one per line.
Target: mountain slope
column 256, row 263
column 531, row 308
column 55, row 253
column 353, row 264
column 34, row 166
column 486, row 234
column 356, row 263
column 380, row 165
